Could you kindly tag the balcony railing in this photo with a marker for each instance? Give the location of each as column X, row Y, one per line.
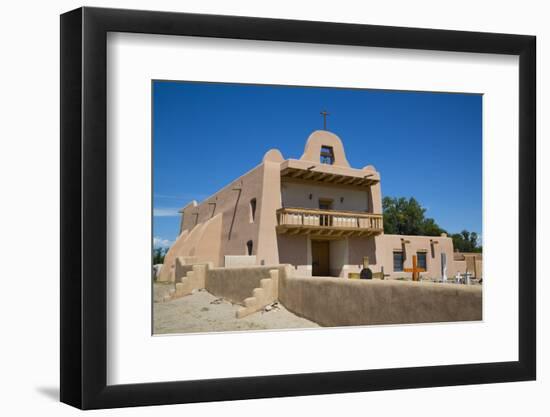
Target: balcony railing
column 328, row 222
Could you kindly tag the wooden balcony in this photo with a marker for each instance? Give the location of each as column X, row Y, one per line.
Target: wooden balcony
column 328, row 223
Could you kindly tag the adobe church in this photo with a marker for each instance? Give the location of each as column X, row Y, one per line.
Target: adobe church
column 316, row 213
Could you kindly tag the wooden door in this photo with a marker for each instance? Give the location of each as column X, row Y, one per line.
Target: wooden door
column 320, row 257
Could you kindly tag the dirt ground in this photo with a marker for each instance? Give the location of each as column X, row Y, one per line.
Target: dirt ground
column 203, row 312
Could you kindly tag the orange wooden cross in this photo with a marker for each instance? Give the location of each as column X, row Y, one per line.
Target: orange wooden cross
column 415, row 271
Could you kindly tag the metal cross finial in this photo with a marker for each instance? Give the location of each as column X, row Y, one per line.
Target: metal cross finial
column 325, row 114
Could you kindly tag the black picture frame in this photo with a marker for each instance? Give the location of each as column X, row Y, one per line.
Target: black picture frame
column 84, row 207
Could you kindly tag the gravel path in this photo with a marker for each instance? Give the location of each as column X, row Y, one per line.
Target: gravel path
column 203, row 312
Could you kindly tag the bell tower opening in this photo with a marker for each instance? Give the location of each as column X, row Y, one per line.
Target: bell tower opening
column 327, row 155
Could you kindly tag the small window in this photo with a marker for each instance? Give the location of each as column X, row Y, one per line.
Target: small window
column 212, row 207
column 327, row 155
column 398, row 261
column 249, row 247
column 421, row 261
column 325, row 204
column 252, row 210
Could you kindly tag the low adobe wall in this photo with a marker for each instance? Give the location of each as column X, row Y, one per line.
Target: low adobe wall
column 262, row 296
column 181, row 271
column 347, row 302
column 237, row 284
column 183, row 267
column 193, row 280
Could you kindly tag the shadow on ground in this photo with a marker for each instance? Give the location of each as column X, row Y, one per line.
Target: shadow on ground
column 50, row 392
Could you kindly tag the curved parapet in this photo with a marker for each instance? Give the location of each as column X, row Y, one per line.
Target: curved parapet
column 273, row 155
column 320, row 138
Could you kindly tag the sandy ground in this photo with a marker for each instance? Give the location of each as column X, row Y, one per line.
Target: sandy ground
column 203, row 312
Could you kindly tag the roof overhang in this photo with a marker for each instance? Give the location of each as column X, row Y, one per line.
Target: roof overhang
column 293, row 169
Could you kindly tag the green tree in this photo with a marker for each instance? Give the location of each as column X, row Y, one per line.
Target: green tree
column 404, row 216
column 158, row 255
column 466, row 241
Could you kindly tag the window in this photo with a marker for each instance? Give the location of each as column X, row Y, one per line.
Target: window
column 249, row 246
column 252, row 210
column 212, row 207
column 325, row 204
column 398, row 261
column 324, row 219
column 421, row 260
column 327, row 155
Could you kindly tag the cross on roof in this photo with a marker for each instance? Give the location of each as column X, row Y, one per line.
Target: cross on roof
column 325, row 114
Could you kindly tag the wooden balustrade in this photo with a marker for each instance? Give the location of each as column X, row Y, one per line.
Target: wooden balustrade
column 328, row 222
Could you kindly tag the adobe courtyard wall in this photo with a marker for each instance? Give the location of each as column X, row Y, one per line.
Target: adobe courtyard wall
column 184, row 265
column 335, row 301
column 349, row 302
column 181, row 270
column 267, row 293
column 237, row 284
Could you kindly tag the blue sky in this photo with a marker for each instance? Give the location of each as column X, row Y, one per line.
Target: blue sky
column 425, row 145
